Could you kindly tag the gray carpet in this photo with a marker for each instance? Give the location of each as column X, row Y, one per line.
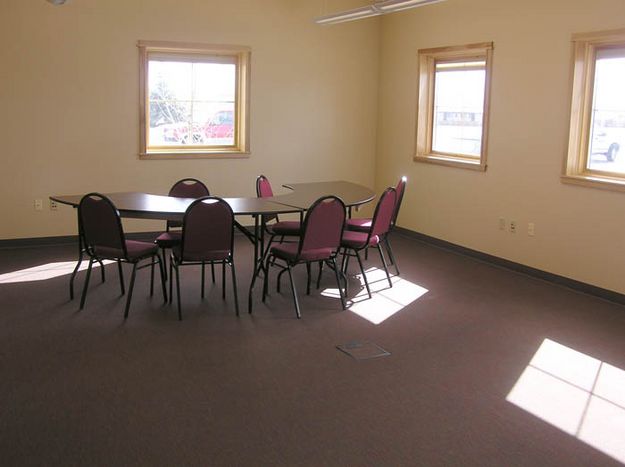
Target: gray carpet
column 88, row 388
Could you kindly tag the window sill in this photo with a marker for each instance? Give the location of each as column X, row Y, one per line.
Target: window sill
column 451, row 162
column 194, row 155
column 594, row 181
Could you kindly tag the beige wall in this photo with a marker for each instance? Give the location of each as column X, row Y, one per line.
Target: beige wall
column 69, row 100
column 580, row 232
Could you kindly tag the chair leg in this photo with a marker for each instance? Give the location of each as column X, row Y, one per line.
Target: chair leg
column 178, row 292
column 234, row 287
column 164, row 255
column 74, row 272
column 203, row 277
column 294, row 292
column 362, row 270
column 266, row 278
column 161, row 267
column 338, row 283
column 130, row 289
column 223, row 280
column 86, row 286
column 388, row 277
column 319, row 275
column 366, row 254
column 152, row 276
column 102, row 271
column 171, row 278
column 121, row 277
column 213, row 271
column 390, row 254
column 308, row 279
column 346, row 257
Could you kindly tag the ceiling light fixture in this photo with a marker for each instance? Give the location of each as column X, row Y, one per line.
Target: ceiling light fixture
column 378, row 8
column 57, row 2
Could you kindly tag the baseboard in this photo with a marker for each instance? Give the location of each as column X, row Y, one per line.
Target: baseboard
column 518, row 267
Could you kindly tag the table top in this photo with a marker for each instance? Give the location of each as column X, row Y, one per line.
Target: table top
column 304, row 194
column 150, row 206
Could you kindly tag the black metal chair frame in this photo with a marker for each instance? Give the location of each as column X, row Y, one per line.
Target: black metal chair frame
column 89, row 250
column 176, row 263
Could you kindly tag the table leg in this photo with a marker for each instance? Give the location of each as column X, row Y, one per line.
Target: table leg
column 75, row 271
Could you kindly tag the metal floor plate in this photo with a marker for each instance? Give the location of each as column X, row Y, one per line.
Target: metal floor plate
column 363, row 350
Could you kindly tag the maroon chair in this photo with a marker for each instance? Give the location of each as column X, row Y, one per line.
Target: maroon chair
column 319, row 242
column 364, row 225
column 380, row 226
column 207, row 237
column 104, row 238
column 271, row 223
column 185, row 188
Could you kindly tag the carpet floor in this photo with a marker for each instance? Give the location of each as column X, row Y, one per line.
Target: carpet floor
column 487, row 367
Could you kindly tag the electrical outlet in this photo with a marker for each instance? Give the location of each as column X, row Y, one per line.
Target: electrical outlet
column 512, row 226
column 530, row 229
column 53, row 205
column 38, row 205
column 502, row 223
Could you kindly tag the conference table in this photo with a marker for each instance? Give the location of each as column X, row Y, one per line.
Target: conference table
column 138, row 205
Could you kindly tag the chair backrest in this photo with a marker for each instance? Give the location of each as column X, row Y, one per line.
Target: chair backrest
column 399, row 189
column 323, row 225
column 187, row 188
column 263, row 187
column 101, row 227
column 207, row 227
column 263, row 190
column 383, row 215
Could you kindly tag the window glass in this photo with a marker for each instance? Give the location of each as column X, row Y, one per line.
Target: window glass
column 607, row 129
column 458, row 107
column 188, row 101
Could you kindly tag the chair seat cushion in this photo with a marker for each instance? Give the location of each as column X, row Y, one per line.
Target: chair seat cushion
column 136, row 251
column 288, row 252
column 199, row 256
column 168, row 239
column 358, row 240
column 285, row 228
column 359, row 225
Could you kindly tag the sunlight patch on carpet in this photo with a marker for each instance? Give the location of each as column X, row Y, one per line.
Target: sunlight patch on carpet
column 385, row 301
column 44, row 272
column 576, row 393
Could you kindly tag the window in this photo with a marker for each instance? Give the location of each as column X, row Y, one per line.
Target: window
column 452, row 119
column 194, row 100
column 597, row 127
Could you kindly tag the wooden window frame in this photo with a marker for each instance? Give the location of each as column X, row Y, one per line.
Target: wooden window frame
column 575, row 171
column 427, row 59
column 242, row 58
